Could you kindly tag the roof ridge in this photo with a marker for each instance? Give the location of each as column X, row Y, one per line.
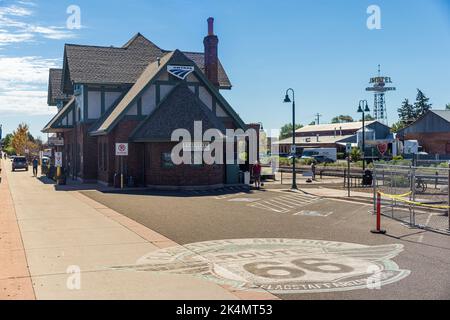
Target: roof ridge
column 92, row 46
column 135, row 37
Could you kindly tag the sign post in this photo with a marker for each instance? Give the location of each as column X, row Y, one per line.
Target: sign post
column 58, row 164
column 121, row 151
column 348, row 148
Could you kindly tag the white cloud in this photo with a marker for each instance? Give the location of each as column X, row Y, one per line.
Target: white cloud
column 7, row 38
column 15, row 11
column 15, row 28
column 23, row 85
column 29, row 103
column 55, row 33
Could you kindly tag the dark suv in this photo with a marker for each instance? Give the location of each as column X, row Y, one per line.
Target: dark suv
column 20, row 163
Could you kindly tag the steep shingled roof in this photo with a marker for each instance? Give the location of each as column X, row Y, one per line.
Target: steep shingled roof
column 55, row 87
column 180, row 109
column 49, row 128
column 112, row 65
column 108, row 121
column 104, row 123
column 444, row 114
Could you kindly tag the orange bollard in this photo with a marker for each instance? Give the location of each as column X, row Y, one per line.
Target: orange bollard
column 378, row 230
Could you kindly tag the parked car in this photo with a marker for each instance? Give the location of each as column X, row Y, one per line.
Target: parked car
column 19, row 163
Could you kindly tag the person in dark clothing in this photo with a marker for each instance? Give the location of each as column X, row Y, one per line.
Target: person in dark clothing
column 35, row 166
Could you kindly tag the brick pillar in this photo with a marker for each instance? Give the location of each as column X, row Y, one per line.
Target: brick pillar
column 211, row 43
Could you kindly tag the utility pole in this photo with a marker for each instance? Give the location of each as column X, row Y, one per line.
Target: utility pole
column 318, row 116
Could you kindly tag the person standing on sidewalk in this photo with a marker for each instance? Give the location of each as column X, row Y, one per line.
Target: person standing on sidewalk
column 256, row 173
column 35, row 166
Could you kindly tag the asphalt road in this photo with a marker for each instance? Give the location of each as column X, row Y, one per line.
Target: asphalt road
column 190, row 217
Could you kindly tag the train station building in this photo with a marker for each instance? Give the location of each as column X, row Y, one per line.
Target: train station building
column 137, row 95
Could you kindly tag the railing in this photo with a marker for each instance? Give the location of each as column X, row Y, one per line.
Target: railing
column 418, row 196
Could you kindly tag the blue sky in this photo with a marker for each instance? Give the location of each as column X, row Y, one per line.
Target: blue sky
column 323, row 49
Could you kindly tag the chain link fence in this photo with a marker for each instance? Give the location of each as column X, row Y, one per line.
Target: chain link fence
column 416, row 195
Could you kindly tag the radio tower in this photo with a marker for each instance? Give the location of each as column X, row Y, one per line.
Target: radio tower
column 379, row 88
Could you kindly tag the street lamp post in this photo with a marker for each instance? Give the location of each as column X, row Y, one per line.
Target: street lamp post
column 363, row 108
column 288, row 100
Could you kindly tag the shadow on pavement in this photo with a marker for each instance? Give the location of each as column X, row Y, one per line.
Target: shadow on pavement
column 73, row 185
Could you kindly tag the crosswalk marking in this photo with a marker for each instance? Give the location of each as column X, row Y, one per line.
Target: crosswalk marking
column 260, row 205
column 285, row 203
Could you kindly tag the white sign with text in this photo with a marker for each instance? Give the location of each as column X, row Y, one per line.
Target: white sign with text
column 122, row 149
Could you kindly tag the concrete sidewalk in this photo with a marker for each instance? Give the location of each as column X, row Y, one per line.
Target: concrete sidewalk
column 15, row 280
column 64, row 231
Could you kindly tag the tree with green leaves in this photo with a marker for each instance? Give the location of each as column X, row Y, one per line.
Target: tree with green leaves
column 396, row 127
column 356, row 154
column 447, row 106
column 7, row 144
column 342, row 119
column 406, row 112
column 422, row 105
column 368, row 117
column 286, row 130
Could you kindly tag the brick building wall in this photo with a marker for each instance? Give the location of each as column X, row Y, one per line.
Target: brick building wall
column 183, row 175
column 432, row 143
column 132, row 165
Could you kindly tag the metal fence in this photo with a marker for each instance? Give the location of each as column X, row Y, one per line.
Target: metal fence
column 416, row 195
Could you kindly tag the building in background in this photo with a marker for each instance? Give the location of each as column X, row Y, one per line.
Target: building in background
column 337, row 135
column 432, row 131
column 138, row 94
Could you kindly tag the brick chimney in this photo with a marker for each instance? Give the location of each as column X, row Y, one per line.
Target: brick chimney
column 211, row 42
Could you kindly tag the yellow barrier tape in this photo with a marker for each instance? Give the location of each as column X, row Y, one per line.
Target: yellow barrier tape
column 420, row 204
column 396, row 195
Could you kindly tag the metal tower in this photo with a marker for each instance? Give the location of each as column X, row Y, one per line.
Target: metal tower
column 379, row 88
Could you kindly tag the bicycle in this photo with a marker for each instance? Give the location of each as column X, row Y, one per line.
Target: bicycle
column 421, row 186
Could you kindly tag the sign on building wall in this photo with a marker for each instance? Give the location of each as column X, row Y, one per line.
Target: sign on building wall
column 55, row 141
column 180, row 71
column 196, row 147
column 58, row 159
column 122, row 149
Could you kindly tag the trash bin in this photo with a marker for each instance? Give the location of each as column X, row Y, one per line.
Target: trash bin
column 367, row 179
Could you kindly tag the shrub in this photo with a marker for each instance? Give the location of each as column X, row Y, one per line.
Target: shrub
column 355, row 154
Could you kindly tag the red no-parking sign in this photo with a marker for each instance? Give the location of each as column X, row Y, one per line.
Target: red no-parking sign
column 122, row 149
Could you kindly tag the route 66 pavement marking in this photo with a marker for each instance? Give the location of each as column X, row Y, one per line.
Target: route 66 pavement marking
column 280, row 266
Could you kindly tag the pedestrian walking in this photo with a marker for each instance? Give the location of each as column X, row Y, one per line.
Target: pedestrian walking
column 35, row 166
column 256, row 173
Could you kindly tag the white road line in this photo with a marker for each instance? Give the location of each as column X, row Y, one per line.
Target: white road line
column 426, row 225
column 298, row 201
column 277, row 205
column 282, row 203
column 229, row 196
column 302, row 197
column 262, row 206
